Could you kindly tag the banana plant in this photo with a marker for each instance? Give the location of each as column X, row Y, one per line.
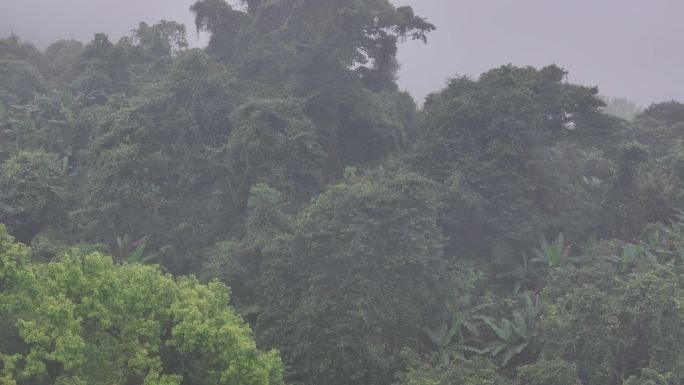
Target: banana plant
column 629, row 256
column 525, row 276
column 450, row 338
column 448, row 345
column 516, row 335
column 131, row 252
column 551, row 254
column 667, row 242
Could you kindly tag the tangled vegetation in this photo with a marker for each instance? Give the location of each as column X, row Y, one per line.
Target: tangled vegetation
column 510, row 231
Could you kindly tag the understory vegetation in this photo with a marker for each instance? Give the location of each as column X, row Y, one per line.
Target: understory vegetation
column 273, row 209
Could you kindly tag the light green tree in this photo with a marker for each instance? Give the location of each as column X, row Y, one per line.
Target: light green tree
column 83, row 319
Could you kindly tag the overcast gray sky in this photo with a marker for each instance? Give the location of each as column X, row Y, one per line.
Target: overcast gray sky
column 629, row 48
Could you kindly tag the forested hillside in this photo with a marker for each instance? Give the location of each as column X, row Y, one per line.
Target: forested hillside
column 273, row 209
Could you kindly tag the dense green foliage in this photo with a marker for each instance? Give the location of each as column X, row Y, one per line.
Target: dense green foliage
column 81, row 319
column 513, row 230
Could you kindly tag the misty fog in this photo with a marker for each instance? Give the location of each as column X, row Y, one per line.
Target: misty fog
column 629, row 48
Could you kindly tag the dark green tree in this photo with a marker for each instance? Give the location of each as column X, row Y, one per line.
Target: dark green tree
column 472, row 372
column 362, row 268
column 284, row 38
column 509, row 138
column 32, row 192
column 619, row 325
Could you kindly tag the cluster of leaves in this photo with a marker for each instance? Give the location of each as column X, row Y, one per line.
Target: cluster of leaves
column 283, row 161
column 82, row 319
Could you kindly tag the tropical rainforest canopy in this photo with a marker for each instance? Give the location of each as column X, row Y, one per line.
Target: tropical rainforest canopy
column 272, row 209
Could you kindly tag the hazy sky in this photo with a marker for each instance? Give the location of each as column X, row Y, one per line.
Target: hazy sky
column 630, row 48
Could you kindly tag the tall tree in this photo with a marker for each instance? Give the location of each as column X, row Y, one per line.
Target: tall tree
column 362, row 268
column 284, row 38
column 508, row 138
